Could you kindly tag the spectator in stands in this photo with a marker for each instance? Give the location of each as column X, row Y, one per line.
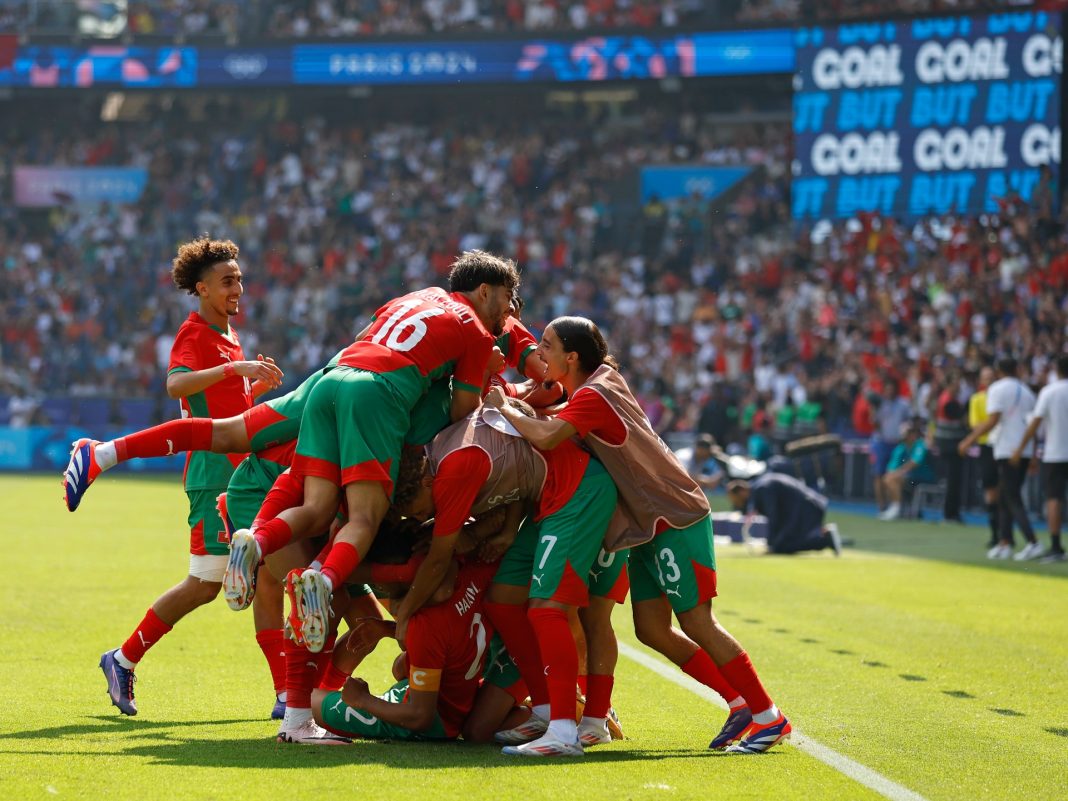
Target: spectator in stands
column 910, row 463
column 1009, row 402
column 1051, row 410
column 891, row 415
column 702, row 467
column 794, row 511
column 949, row 429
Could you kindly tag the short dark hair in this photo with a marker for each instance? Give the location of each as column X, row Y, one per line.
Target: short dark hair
column 476, row 267
column 582, row 336
column 705, row 440
column 409, row 476
column 1062, row 365
column 395, row 541
column 197, row 257
column 1007, row 365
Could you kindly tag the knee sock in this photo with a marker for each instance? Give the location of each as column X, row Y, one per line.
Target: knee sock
column 343, row 559
column 701, row 667
column 741, row 675
column 272, row 643
column 187, row 434
column 148, row 632
column 599, row 696
column 273, row 536
column 558, row 652
column 301, row 670
column 511, row 622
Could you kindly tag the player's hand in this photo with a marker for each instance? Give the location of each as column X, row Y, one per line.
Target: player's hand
column 496, row 398
column 402, row 632
column 365, row 634
column 355, row 693
column 1014, row 460
column 962, row 449
column 1032, row 468
column 266, row 371
column 496, row 361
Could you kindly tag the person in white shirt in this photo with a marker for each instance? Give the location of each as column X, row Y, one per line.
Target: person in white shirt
column 1052, row 409
column 1009, row 403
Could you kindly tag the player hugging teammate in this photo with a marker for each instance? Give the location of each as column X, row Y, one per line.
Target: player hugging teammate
column 542, row 520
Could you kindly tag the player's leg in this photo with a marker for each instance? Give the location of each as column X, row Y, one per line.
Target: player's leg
column 609, row 584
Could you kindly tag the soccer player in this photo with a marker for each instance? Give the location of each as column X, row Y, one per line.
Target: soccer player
column 672, row 563
column 354, row 425
column 210, row 375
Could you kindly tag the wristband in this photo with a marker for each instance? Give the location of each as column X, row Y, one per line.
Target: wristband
column 228, row 370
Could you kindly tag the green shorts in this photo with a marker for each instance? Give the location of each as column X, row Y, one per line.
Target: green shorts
column 343, row 719
column 354, row 425
column 207, row 532
column 501, row 670
column 278, row 420
column 431, row 414
column 678, row 563
column 609, row 577
column 249, row 485
column 554, row 555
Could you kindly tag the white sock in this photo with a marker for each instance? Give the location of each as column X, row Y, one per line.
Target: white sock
column 121, row 658
column 295, row 718
column 282, row 696
column 564, row 730
column 329, row 584
column 541, row 710
column 599, row 722
column 105, row 455
column 736, row 703
column 769, row 715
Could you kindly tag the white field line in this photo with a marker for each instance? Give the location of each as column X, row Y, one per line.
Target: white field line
column 843, row 764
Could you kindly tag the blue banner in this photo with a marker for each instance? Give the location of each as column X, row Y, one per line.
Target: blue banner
column 44, row 66
column 930, row 116
column 41, row 187
column 226, row 66
column 669, row 183
column 48, row 448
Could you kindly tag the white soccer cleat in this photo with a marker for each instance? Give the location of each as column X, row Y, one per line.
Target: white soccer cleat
column 1000, row 551
column 547, row 746
column 313, row 609
column 239, row 580
column 892, row 512
column 1032, row 550
column 593, row 734
column 534, row 728
column 311, row 733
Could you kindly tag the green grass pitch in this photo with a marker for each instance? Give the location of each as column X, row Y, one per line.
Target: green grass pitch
column 912, row 656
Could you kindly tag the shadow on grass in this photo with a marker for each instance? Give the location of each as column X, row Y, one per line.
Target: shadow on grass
column 113, row 725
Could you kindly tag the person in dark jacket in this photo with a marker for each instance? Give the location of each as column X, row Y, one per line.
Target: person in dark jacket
column 794, row 511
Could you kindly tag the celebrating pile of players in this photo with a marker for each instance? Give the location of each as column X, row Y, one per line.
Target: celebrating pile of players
column 488, row 528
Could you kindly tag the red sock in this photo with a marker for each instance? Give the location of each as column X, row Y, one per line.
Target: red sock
column 743, row 677
column 560, row 657
column 701, row 667
column 324, row 658
column 583, row 682
column 512, row 624
column 286, row 493
column 187, row 434
column 273, row 644
column 599, row 698
column 339, row 565
column 148, row 632
column 300, row 676
column 273, row 536
column 333, row 679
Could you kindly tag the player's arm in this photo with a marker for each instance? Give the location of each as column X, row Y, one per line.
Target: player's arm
column 181, row 382
column 464, row 401
column 1028, row 435
column 983, row 428
column 542, row 434
column 417, row 713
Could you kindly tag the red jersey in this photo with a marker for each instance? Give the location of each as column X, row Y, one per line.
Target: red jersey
column 200, row 346
column 447, row 646
column 460, row 476
column 435, row 330
column 590, row 413
column 564, row 467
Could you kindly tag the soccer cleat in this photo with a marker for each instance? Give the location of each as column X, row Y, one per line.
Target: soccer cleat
column 1032, row 550
column 892, row 512
column 312, row 596
column 1053, row 557
column 239, row 580
column 758, row 738
column 615, row 725
column 593, row 734
column 534, row 728
column 120, row 683
column 291, row 627
column 81, row 471
column 279, row 711
column 734, row 726
column 1000, row 551
column 545, row 746
column 311, row 733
